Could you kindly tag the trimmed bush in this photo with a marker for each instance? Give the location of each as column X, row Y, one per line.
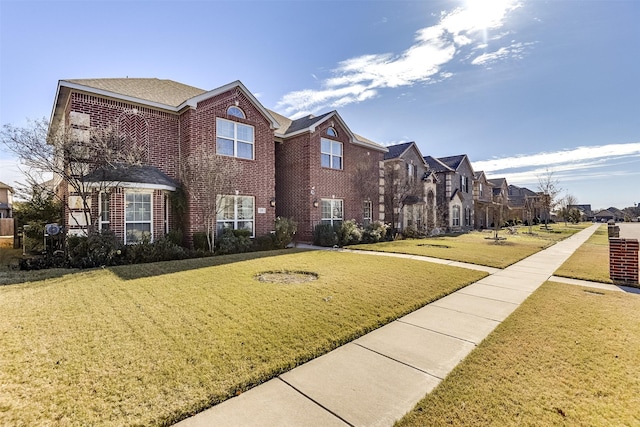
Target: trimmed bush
column 325, row 235
column 285, row 229
column 349, row 233
column 234, row 242
column 94, row 250
column 374, row 232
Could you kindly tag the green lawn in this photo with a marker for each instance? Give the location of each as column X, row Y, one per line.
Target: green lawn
column 591, row 260
column 567, row 356
column 478, row 248
column 152, row 344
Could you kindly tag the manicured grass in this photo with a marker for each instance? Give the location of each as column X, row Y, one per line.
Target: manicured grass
column 151, row 344
column 478, row 247
column 567, row 356
column 591, row 260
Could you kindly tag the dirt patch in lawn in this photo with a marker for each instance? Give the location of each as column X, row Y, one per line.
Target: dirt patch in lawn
column 287, row 277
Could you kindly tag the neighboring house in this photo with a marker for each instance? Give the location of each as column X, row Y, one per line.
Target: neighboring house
column 483, row 201
column 585, row 211
column 327, row 174
column 500, row 202
column 170, row 121
column 618, row 215
column 524, row 204
column 454, row 195
column 410, row 189
column 312, row 179
column 604, row 216
column 6, row 201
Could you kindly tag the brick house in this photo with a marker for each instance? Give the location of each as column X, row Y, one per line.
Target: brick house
column 501, row 212
column 454, row 195
column 315, row 168
column 325, row 173
column 524, row 204
column 170, row 121
column 483, row 200
column 410, row 189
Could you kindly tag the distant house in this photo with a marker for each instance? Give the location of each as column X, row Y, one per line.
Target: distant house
column 483, row 200
column 585, row 211
column 454, row 195
column 6, row 201
column 604, row 215
column 524, row 204
column 500, row 201
column 410, row 189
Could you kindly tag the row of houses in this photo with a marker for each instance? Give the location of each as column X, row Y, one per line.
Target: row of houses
column 313, row 169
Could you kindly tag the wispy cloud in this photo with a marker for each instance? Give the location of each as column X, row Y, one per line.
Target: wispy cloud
column 360, row 78
column 579, row 163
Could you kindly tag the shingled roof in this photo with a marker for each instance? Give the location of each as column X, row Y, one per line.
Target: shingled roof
column 166, row 92
column 436, row 165
column 133, row 174
column 397, row 150
column 453, row 161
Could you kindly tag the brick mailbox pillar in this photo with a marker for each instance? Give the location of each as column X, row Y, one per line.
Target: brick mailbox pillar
column 623, row 261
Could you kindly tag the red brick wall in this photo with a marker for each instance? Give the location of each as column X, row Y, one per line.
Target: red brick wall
column 623, row 261
column 302, row 179
column 258, row 176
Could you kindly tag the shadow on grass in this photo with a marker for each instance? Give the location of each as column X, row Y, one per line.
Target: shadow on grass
column 10, row 275
column 138, row 271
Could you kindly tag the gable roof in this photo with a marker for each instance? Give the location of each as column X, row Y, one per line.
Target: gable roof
column 396, row 151
column 498, row 182
column 155, row 93
column 453, row 162
column 291, row 127
column 436, row 165
column 3, row 186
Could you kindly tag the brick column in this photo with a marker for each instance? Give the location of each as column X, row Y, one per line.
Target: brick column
column 623, row 261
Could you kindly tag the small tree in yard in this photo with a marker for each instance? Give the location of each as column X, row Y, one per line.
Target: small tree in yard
column 78, row 158
column 568, row 209
column 209, row 177
column 549, row 189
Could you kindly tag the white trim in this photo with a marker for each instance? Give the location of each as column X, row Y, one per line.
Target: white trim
column 236, row 140
column 150, row 222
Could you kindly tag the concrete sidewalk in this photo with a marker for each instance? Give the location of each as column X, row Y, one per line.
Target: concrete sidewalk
column 376, row 379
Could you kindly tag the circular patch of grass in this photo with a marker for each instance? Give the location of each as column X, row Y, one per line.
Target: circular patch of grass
column 286, row 277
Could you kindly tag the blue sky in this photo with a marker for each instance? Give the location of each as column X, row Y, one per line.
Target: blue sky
column 518, row 86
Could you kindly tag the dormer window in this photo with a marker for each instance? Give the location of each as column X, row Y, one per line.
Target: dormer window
column 332, row 132
column 235, row 112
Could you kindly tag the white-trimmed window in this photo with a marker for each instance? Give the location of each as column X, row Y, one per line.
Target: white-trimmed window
column 234, row 139
column 332, row 132
column 235, row 212
column 330, row 153
column 236, row 112
column 455, row 216
column 464, row 183
column 137, row 217
column 104, row 201
column 366, row 212
column 332, row 211
column 467, row 216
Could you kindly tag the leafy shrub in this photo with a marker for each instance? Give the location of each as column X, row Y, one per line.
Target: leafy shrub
column 94, row 250
column 285, row 229
column 374, row 232
column 324, row 235
column 234, row 241
column 176, row 237
column 349, row 233
column 200, row 242
column 265, row 242
column 412, row 232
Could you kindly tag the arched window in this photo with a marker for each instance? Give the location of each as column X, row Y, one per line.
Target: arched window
column 332, row 132
column 235, row 112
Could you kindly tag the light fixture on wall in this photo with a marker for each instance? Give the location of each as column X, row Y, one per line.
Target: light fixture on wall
column 272, row 202
column 315, row 203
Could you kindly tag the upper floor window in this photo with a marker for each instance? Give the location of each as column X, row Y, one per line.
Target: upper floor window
column 412, row 172
column 234, row 139
column 236, row 112
column 481, row 190
column 331, row 154
column 464, row 184
column 332, row 132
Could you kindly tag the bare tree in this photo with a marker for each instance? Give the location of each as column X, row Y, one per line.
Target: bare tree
column 209, row 177
column 549, row 190
column 84, row 160
column 400, row 188
column 567, row 207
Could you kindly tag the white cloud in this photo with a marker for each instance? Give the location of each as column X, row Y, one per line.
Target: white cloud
column 360, row 78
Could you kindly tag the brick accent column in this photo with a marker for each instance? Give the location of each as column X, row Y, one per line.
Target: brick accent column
column 623, row 261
